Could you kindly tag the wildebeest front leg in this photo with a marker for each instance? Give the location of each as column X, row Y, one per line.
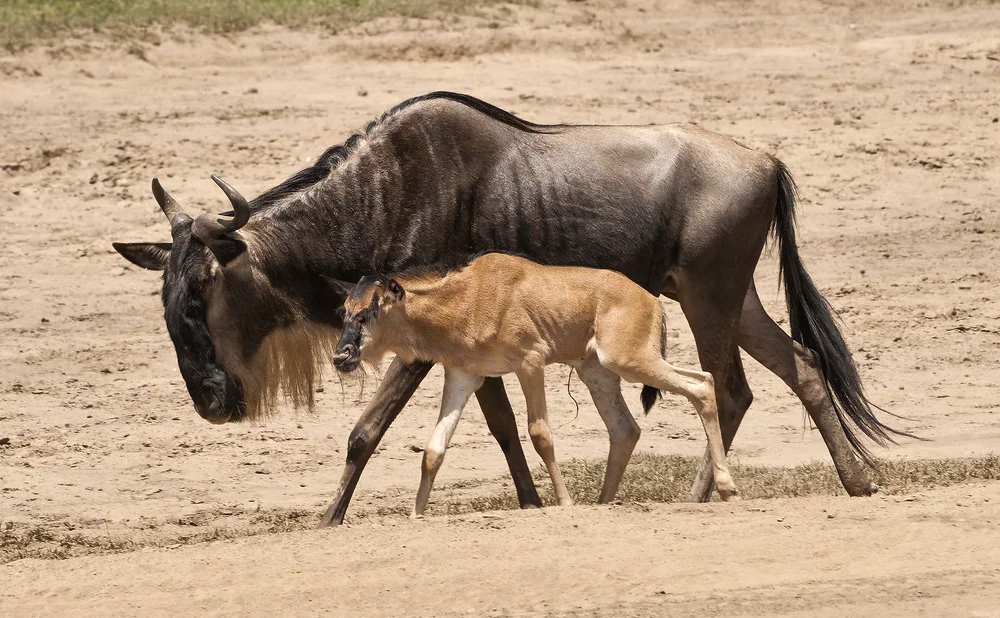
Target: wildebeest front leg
column 500, row 418
column 398, row 385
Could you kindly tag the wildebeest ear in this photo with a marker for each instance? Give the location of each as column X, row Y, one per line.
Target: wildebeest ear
column 148, row 255
column 393, row 291
column 226, row 249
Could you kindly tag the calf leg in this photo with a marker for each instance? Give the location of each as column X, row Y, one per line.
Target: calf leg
column 714, row 313
column 458, row 387
column 532, row 381
column 735, row 397
column 793, row 363
column 398, row 385
column 623, row 431
column 699, row 388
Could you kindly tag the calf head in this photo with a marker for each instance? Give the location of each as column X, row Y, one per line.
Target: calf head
column 371, row 298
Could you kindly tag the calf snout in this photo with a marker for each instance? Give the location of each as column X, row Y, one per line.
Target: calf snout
column 346, row 358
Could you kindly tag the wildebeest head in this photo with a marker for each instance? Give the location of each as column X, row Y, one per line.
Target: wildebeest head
column 366, row 302
column 202, row 249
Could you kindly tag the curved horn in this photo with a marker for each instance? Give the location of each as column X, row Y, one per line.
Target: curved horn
column 206, row 229
column 168, row 205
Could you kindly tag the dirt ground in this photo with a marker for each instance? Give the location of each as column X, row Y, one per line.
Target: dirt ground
column 887, row 114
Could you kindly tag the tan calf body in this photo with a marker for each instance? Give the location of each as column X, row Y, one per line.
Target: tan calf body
column 503, row 314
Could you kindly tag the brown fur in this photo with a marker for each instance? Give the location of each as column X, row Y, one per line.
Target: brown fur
column 505, row 314
column 290, row 362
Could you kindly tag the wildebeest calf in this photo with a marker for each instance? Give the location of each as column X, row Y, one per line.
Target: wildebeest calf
column 503, row 314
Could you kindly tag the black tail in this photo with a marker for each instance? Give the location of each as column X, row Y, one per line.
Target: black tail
column 650, row 394
column 812, row 323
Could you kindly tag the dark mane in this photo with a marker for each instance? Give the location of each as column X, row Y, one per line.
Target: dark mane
column 315, row 173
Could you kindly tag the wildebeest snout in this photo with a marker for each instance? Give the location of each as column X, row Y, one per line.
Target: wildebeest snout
column 211, row 408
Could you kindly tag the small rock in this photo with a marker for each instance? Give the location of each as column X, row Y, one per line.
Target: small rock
column 93, row 179
column 252, row 91
column 362, row 92
column 4, row 441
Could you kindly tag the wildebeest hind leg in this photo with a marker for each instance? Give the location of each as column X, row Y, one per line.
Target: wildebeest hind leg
column 738, row 397
column 793, row 363
column 714, row 319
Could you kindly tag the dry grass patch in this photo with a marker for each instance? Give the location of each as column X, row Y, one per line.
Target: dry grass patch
column 649, row 478
column 667, row 478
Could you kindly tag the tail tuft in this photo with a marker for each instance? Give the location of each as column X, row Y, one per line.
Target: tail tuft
column 649, row 393
column 649, row 396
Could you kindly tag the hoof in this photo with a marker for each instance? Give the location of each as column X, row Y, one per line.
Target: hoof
column 415, row 517
column 873, row 489
column 729, row 496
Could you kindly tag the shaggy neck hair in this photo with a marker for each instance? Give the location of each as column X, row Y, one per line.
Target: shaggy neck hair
column 291, row 362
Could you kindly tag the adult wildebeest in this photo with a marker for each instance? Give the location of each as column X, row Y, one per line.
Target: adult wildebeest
column 503, row 314
column 681, row 211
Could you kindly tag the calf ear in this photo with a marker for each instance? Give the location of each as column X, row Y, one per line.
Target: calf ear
column 148, row 255
column 342, row 288
column 393, row 291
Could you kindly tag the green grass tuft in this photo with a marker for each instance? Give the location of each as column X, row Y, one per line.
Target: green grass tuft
column 25, row 21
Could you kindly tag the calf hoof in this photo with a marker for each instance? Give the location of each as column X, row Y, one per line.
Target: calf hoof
column 729, row 495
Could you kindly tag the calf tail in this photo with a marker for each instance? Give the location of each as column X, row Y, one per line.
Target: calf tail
column 650, row 394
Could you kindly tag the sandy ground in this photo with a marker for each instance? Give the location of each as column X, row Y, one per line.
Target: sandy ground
column 935, row 554
column 886, row 112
